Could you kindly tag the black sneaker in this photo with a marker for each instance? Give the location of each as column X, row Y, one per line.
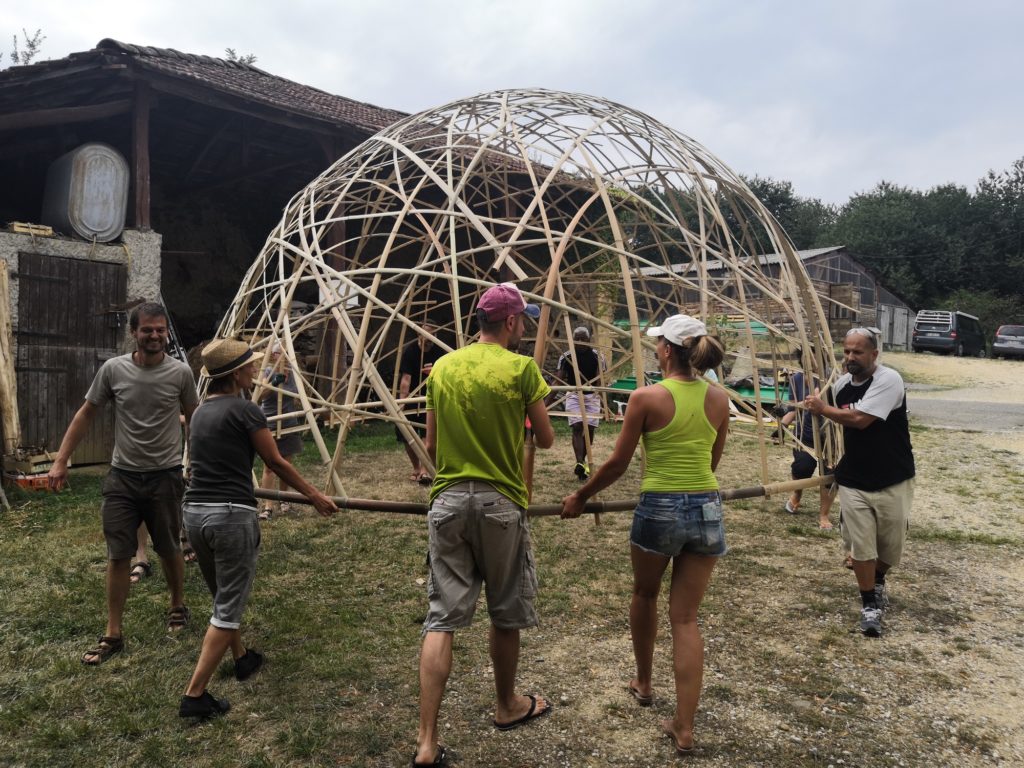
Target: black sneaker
column 202, row 706
column 581, row 471
column 248, row 664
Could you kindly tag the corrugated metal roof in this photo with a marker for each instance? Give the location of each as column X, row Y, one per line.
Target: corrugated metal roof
column 764, row 259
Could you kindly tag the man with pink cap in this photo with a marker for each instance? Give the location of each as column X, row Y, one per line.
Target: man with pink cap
column 477, row 400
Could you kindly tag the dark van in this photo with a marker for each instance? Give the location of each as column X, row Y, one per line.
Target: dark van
column 948, row 333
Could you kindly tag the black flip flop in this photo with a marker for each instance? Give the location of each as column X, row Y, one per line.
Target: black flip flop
column 439, row 759
column 531, row 714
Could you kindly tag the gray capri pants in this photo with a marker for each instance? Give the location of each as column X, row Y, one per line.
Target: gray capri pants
column 226, row 539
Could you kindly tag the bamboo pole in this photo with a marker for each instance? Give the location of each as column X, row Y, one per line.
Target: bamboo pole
column 542, row 510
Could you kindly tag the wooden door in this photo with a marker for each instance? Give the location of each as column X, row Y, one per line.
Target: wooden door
column 70, row 319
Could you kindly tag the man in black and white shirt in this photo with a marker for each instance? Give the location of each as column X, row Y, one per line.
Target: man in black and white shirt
column 876, row 473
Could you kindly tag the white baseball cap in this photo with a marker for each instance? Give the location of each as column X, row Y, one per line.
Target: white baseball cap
column 679, row 328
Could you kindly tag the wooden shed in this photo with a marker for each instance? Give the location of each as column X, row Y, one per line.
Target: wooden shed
column 216, row 148
column 851, row 294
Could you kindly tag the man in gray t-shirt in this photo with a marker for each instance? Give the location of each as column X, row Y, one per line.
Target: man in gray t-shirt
column 150, row 391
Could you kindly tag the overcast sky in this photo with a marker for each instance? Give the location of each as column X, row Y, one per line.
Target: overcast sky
column 832, row 96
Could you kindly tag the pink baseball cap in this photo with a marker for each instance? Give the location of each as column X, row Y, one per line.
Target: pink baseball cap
column 504, row 300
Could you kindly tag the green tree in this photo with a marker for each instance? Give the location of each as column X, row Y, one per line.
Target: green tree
column 23, row 54
column 246, row 58
column 805, row 220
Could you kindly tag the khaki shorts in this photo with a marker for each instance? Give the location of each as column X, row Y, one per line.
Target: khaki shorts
column 875, row 523
column 478, row 536
column 133, row 498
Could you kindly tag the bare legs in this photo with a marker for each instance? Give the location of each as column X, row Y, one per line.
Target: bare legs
column 643, row 613
column 117, row 594
column 215, row 643
column 825, row 500
column 436, row 666
column 690, row 577
column 268, row 480
column 579, row 443
column 140, row 551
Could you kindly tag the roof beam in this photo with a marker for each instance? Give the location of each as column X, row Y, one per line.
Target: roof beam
column 39, row 118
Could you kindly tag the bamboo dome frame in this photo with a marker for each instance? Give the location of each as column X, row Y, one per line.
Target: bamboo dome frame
column 602, row 215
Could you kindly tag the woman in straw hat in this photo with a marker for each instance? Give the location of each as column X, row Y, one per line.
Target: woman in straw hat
column 683, row 422
column 220, row 510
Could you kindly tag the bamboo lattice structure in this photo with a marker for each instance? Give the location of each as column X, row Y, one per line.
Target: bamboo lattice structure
column 601, row 215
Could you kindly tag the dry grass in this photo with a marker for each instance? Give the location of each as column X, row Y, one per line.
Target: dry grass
column 337, row 606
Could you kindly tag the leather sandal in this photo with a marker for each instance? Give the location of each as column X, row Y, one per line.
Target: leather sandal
column 177, row 618
column 105, row 648
column 140, row 570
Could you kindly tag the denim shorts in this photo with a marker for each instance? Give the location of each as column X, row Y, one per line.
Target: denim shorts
column 226, row 539
column 478, row 536
column 673, row 523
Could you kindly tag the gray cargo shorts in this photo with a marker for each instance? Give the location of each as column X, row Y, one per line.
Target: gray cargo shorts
column 478, row 536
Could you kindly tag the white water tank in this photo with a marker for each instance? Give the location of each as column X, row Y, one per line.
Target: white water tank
column 87, row 193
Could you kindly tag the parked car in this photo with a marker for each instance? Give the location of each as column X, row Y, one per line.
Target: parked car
column 1009, row 341
column 948, row 332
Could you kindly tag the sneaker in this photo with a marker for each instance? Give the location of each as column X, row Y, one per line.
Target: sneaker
column 881, row 597
column 202, row 706
column 581, row 471
column 871, row 622
column 586, row 471
column 248, row 664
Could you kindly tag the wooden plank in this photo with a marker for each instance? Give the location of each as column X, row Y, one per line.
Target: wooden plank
column 10, row 424
column 39, row 118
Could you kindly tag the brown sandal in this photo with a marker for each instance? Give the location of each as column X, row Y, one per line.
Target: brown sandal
column 177, row 618
column 105, row 648
column 141, row 570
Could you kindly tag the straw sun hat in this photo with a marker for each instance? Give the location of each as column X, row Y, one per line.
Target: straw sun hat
column 222, row 356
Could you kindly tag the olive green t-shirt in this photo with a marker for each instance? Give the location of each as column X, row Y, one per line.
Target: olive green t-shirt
column 479, row 395
column 147, row 404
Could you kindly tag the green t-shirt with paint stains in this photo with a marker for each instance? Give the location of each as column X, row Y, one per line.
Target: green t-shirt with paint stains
column 479, row 395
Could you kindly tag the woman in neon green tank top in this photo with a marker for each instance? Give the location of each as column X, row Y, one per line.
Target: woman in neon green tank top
column 683, row 422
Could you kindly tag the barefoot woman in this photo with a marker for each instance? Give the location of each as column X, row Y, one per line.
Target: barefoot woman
column 683, row 422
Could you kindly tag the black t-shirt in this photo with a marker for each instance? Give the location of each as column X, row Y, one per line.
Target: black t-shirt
column 221, row 450
column 589, row 363
column 879, row 455
column 415, row 359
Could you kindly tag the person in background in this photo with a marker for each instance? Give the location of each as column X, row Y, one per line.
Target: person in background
column 220, row 511
column 275, row 402
column 418, row 358
column 804, row 464
column 683, row 422
column 584, row 373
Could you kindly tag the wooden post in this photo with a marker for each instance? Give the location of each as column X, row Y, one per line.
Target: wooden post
column 140, row 154
column 10, row 426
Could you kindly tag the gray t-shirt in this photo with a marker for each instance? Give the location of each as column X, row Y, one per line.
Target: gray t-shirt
column 147, row 403
column 221, row 450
